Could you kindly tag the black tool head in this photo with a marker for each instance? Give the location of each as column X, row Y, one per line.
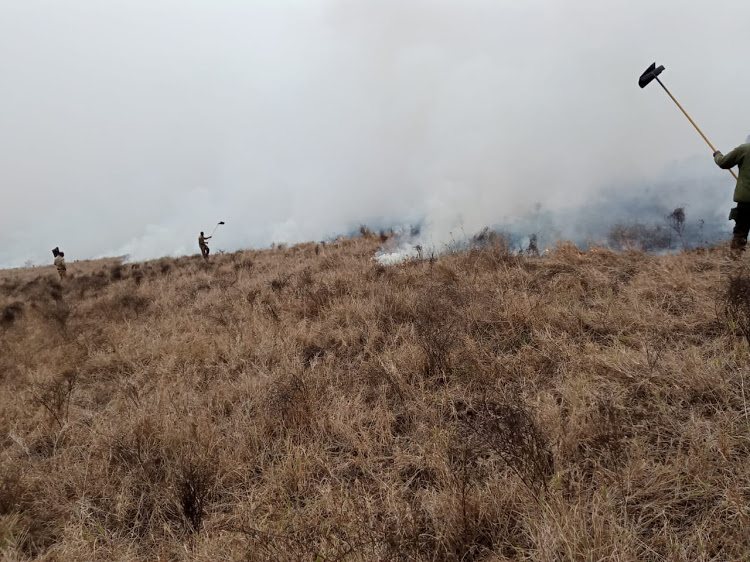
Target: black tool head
column 651, row 73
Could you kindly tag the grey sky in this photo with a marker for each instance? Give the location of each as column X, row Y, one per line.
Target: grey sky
column 127, row 126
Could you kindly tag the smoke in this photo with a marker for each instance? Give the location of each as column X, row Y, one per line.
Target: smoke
column 639, row 212
column 129, row 127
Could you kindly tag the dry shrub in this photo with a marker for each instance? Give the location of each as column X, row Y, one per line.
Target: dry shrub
column 116, row 273
column 736, row 303
column 491, row 249
column 305, row 279
column 676, row 221
column 194, row 480
column 393, row 309
column 509, row 430
column 167, row 477
column 446, row 275
column 164, row 267
column 9, row 286
column 289, row 406
column 55, row 396
column 487, row 238
column 245, row 264
column 126, row 303
column 280, row 283
column 137, row 276
column 41, row 290
column 58, row 312
column 29, row 524
column 89, row 283
column 252, row 295
column 315, row 300
column 10, row 313
column 135, row 302
column 603, row 443
column 310, row 353
column 329, row 262
column 436, row 335
column 12, row 489
column 377, row 271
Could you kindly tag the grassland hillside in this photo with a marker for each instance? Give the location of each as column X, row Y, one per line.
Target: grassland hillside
column 305, row 403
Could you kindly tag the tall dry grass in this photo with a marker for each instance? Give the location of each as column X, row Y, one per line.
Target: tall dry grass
column 305, row 403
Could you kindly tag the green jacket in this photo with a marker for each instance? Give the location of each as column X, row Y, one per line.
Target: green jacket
column 738, row 157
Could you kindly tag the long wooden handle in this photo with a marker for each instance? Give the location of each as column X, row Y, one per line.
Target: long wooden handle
column 691, row 120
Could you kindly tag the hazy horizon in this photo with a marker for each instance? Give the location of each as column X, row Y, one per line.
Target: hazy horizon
column 129, row 127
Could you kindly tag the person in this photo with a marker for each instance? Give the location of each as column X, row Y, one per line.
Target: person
column 203, row 246
column 741, row 213
column 60, row 265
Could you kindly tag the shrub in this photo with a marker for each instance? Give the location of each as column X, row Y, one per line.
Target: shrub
column 54, row 396
column 736, row 303
column 279, row 283
column 10, row 313
column 116, row 273
column 194, row 480
column 509, row 430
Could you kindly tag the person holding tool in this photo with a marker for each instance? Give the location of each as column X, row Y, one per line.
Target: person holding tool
column 202, row 241
column 62, row 271
column 203, row 246
column 741, row 213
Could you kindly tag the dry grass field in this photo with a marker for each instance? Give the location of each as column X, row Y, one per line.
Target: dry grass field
column 305, row 403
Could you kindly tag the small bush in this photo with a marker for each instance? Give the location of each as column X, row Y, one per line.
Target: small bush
column 434, row 323
column 279, row 283
column 89, row 283
column 137, row 276
column 289, row 405
column 116, row 273
column 10, row 313
column 54, row 396
column 244, row 265
column 131, row 301
column 58, row 313
column 736, row 303
column 509, row 430
column 305, row 278
column 676, row 221
column 194, row 482
column 12, row 490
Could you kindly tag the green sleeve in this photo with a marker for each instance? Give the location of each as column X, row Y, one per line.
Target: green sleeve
column 732, row 159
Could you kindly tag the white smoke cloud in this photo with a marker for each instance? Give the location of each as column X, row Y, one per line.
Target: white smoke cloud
column 128, row 127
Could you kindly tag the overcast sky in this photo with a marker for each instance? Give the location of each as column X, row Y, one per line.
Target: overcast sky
column 127, row 126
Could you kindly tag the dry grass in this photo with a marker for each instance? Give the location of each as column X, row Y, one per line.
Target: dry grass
column 305, row 403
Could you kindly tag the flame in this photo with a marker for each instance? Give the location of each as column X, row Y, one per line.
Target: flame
column 546, row 250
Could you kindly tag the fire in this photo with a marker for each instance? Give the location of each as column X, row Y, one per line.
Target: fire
column 546, row 250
